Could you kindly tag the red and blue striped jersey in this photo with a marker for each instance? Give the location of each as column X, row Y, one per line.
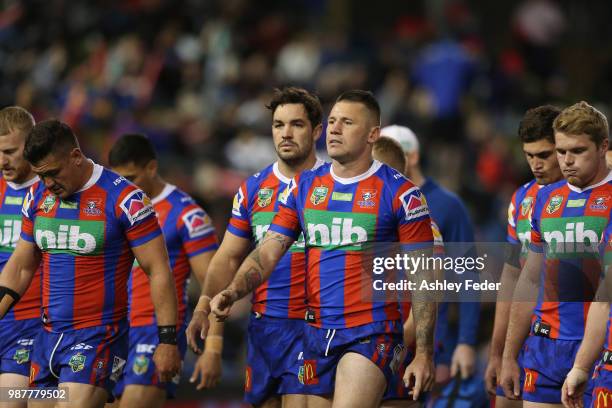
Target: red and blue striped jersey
column 519, row 216
column 86, row 243
column 11, row 201
column 283, row 295
column 188, row 232
column 339, row 217
column 567, row 224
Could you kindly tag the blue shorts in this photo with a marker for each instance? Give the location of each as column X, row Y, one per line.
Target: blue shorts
column 602, row 388
column 499, row 390
column 16, row 343
column 380, row 342
column 140, row 368
column 546, row 363
column 95, row 355
column 395, row 385
column 274, row 358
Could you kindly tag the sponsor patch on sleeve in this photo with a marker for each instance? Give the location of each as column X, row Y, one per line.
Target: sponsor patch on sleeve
column 27, row 203
column 238, row 199
column 197, row 223
column 136, row 206
column 414, row 204
column 287, row 191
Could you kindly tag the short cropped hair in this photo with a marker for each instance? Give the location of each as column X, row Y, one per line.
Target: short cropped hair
column 132, row 148
column 366, row 98
column 582, row 118
column 15, row 118
column 48, row 137
column 390, row 152
column 537, row 124
column 309, row 101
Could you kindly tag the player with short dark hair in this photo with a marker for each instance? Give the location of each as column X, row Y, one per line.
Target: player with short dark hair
column 85, row 224
column 352, row 347
column 191, row 242
column 538, row 140
column 277, row 314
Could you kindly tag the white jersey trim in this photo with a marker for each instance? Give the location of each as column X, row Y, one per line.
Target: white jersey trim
column 286, row 180
column 373, row 169
column 168, row 189
column 27, row 184
column 601, row 183
column 95, row 176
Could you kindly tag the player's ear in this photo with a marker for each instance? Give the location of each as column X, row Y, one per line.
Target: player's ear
column 374, row 134
column 317, row 131
column 151, row 168
column 76, row 155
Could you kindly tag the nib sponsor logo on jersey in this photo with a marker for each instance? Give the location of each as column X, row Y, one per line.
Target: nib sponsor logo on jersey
column 568, row 236
column 338, row 230
column 58, row 235
column 261, row 224
column 10, row 231
column 414, row 203
column 136, row 206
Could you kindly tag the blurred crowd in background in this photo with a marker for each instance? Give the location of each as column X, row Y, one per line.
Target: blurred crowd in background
column 195, row 76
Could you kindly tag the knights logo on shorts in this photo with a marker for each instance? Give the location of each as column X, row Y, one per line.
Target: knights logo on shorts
column 21, row 356
column 141, row 365
column 77, row 362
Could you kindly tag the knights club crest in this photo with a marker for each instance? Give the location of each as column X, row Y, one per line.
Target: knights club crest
column 264, row 197
column 554, row 204
column 526, row 205
column 318, row 195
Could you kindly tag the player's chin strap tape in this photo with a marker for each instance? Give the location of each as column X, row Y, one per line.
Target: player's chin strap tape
column 513, row 254
column 7, row 295
column 167, row 334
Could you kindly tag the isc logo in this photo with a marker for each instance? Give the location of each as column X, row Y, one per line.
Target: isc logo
column 145, row 348
column 342, row 232
column 68, row 237
column 574, row 239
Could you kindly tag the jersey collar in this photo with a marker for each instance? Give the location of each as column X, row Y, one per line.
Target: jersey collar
column 286, row 180
column 373, row 169
column 26, row 184
column 95, row 176
column 601, row 183
column 168, row 188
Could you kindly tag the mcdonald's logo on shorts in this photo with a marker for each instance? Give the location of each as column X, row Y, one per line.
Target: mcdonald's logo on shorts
column 248, row 378
column 531, row 378
column 310, row 372
column 603, row 398
column 34, row 369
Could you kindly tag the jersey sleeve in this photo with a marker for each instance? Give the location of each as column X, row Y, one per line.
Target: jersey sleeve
column 27, row 218
column 536, row 244
column 196, row 231
column 287, row 221
column 239, row 224
column 412, row 213
column 512, row 236
column 137, row 216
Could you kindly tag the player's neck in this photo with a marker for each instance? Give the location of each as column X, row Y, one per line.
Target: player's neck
column 86, row 169
column 602, row 173
column 157, row 186
column 351, row 169
column 416, row 176
column 290, row 171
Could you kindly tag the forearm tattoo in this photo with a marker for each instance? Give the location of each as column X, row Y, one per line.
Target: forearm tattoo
column 425, row 320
